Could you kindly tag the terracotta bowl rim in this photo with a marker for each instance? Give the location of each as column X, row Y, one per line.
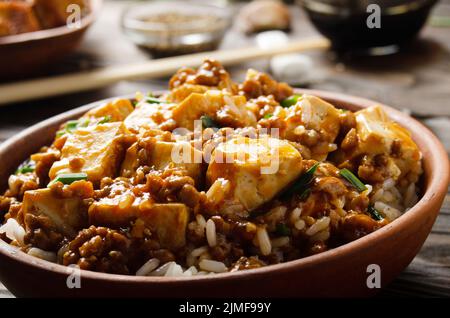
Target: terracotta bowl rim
column 86, row 21
column 437, row 183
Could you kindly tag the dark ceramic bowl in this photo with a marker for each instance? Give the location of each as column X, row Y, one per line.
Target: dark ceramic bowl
column 344, row 22
column 339, row 272
column 31, row 53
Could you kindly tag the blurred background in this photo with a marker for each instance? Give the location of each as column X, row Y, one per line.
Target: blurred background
column 404, row 64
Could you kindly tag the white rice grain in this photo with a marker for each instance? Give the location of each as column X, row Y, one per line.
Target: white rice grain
column 320, row 225
column 45, row 255
column 201, row 221
column 174, row 270
column 280, row 241
column 300, row 225
column 321, row 236
column 390, row 212
column 162, row 270
column 212, row 266
column 211, row 236
column 13, row 230
column 388, row 183
column 410, row 196
column 263, row 241
column 199, row 251
column 295, row 214
column 148, row 267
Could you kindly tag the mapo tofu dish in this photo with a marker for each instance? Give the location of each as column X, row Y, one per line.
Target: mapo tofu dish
column 213, row 176
column 23, row 16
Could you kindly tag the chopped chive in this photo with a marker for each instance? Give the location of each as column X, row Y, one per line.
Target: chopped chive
column 374, row 213
column 68, row 178
column 350, row 177
column 105, row 120
column 283, row 230
column 302, row 184
column 154, row 100
column 288, row 102
column 60, row 133
column 208, row 122
column 26, row 167
column 305, row 194
column 71, row 124
column 267, row 116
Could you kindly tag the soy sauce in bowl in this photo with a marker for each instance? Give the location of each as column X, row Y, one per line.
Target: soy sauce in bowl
column 345, row 23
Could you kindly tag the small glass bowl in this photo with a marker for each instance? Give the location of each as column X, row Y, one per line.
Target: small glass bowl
column 175, row 28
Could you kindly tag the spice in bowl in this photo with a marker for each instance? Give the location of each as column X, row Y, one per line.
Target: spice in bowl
column 176, row 28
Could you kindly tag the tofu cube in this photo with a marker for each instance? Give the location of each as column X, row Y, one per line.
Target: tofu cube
column 147, row 115
column 167, row 221
column 16, row 18
column 213, row 103
column 258, row 169
column 117, row 110
column 98, row 149
column 68, row 215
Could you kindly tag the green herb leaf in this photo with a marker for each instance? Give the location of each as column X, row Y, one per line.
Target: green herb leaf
column 288, row 102
column 60, row 133
column 283, row 230
column 208, row 122
column 105, row 120
column 68, row 178
column 267, row 116
column 350, row 177
column 374, row 213
column 302, row 184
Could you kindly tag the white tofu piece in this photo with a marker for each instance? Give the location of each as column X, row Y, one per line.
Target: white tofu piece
column 376, row 135
column 258, row 169
column 212, row 103
column 147, row 115
column 99, row 147
column 168, row 221
column 68, row 215
column 116, row 110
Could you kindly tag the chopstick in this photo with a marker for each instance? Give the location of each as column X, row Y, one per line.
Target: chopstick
column 85, row 81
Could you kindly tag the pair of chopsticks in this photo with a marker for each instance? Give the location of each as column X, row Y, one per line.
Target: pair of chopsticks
column 85, row 81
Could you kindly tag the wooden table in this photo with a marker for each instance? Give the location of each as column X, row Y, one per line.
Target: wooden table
column 417, row 81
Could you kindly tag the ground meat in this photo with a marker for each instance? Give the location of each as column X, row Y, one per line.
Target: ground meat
column 44, row 161
column 355, row 226
column 41, row 233
column 259, row 84
column 211, row 73
column 20, row 183
column 100, row 249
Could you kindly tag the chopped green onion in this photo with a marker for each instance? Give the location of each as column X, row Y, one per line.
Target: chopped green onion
column 208, row 122
column 283, row 230
column 105, row 120
column 302, row 185
column 267, row 116
column 374, row 213
column 288, row 102
column 350, row 177
column 60, row 133
column 26, row 167
column 72, row 124
column 154, row 100
column 305, row 194
column 68, row 178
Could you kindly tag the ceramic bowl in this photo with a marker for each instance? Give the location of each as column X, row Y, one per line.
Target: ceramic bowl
column 343, row 271
column 31, row 53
